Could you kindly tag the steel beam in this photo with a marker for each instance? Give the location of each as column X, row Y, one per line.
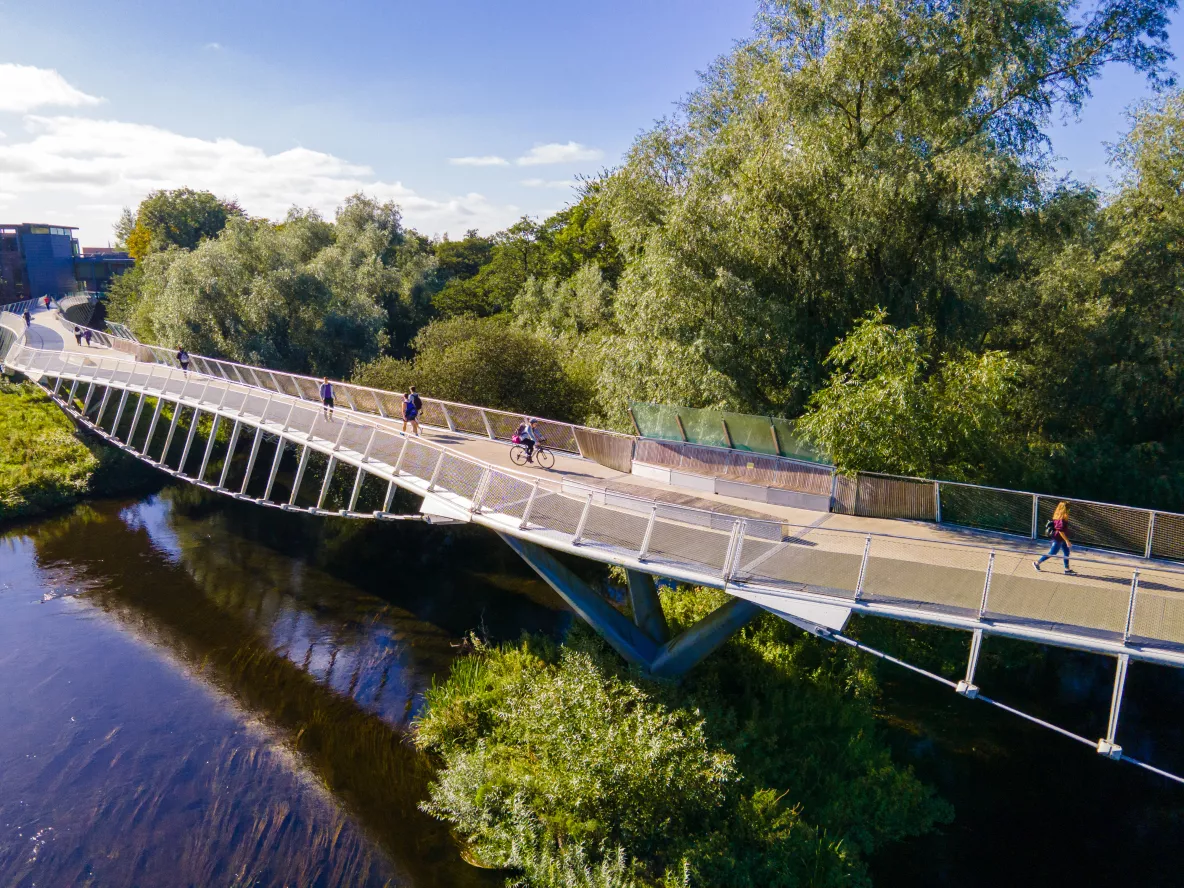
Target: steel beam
column 234, row 433
column 205, row 459
column 647, row 606
column 1107, row 746
column 255, row 444
column 695, row 644
column 301, row 466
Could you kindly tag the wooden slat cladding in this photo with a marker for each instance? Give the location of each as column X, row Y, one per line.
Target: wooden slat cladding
column 735, row 465
column 879, row 496
column 614, row 451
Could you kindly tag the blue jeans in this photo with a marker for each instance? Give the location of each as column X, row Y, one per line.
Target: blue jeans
column 1060, row 545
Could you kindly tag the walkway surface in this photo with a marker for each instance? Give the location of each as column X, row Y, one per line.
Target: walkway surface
column 936, row 573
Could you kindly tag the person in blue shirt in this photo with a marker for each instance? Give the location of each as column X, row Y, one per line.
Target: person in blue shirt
column 327, row 398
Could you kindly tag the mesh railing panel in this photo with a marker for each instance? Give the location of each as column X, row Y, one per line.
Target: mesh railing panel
column 680, row 543
column 1094, row 524
column 910, row 571
column 1168, row 539
column 821, row 560
column 1002, row 510
column 554, row 511
column 1096, row 598
column 609, row 527
column 419, row 460
column 467, row 419
column 459, row 476
column 1159, row 607
column 506, row 494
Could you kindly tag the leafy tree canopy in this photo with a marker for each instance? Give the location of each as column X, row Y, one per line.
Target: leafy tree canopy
column 181, row 217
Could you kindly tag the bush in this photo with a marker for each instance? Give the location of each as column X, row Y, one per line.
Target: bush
column 763, row 768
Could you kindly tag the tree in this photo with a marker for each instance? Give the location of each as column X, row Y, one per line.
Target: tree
column 851, row 155
column 889, row 407
column 181, row 217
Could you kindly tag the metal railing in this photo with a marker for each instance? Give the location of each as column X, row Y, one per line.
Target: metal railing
column 466, row 419
column 19, row 307
column 1149, row 533
column 1108, row 606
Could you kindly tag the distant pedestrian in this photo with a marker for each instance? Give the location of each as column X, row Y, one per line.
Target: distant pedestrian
column 28, row 318
column 78, row 335
column 327, row 398
column 183, row 359
column 47, row 303
column 1058, row 529
column 86, row 334
column 412, row 405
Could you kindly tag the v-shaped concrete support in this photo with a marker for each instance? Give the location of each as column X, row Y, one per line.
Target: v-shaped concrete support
column 636, row 645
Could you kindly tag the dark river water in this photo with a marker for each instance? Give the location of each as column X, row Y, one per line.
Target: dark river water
column 200, row 692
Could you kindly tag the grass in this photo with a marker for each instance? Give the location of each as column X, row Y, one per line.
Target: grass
column 44, row 464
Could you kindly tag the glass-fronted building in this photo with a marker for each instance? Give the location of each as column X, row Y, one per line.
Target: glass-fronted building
column 45, row 260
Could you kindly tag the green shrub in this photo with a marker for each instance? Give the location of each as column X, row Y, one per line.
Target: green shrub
column 763, row 768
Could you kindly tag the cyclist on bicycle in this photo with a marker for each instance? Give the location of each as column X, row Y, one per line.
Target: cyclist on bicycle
column 527, row 435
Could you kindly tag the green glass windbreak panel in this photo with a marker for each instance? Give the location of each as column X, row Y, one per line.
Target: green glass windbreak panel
column 703, row 426
column 751, row 433
column 657, row 421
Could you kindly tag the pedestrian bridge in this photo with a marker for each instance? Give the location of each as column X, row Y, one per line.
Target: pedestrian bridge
column 260, row 435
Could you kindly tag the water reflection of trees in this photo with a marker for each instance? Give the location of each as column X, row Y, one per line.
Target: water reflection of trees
column 332, row 671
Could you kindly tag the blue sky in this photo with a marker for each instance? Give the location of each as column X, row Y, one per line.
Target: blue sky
column 301, row 102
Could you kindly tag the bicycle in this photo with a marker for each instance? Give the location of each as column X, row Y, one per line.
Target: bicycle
column 543, row 457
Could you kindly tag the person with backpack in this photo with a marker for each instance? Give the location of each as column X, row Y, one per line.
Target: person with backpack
column 1058, row 529
column 527, row 435
column 78, row 336
column 28, row 318
column 412, row 406
column 327, row 398
column 86, row 334
column 183, row 359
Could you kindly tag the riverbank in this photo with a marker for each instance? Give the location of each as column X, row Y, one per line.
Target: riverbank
column 47, row 464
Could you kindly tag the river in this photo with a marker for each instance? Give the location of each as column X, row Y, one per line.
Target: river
column 195, row 691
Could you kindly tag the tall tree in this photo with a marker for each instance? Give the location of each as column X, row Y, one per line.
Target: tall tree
column 181, row 217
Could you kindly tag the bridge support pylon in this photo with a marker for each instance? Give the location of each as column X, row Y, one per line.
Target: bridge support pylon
column 634, row 643
column 647, row 607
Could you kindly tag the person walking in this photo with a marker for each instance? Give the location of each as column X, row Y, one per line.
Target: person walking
column 28, row 318
column 1058, row 529
column 183, row 359
column 327, row 398
column 47, row 302
column 78, row 336
column 412, row 405
column 86, row 334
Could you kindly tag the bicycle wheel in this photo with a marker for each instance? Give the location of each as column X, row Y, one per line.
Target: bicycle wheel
column 544, row 458
column 518, row 455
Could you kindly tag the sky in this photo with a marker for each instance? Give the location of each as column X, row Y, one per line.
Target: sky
column 468, row 114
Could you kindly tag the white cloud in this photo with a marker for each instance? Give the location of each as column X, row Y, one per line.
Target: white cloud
column 97, row 166
column 214, row 46
column 24, row 87
column 554, row 152
column 548, row 183
column 486, row 161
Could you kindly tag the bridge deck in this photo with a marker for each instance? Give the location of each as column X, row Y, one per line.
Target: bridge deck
column 910, row 570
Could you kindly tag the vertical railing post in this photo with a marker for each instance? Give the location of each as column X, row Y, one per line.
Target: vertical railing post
column 235, row 431
column 275, row 467
column 488, row 427
column 353, row 494
column 152, row 425
column 1035, row 511
column 402, row 450
column 937, row 501
column 325, row 484
column 189, row 440
column 982, row 606
column 390, row 497
column 867, row 546
column 435, row 472
column 205, row 460
column 300, row 467
column 1130, row 609
column 575, row 540
column 168, row 439
column 255, row 444
column 735, row 546
column 529, row 505
column 1150, row 535
column 447, row 417
column 482, row 488
column 644, row 551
